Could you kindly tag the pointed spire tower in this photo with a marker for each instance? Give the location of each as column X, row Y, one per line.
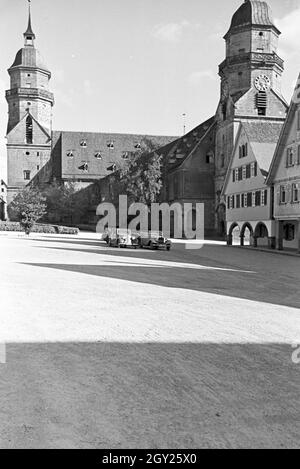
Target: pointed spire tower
column 29, row 35
column 30, row 103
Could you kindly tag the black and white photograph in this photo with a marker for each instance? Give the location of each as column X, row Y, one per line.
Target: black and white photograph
column 149, row 227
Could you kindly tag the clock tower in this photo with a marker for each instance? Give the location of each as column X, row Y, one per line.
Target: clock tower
column 250, row 83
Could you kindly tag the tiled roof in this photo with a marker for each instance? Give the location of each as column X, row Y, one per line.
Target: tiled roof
column 176, row 153
column 263, row 132
column 100, row 151
column 263, row 137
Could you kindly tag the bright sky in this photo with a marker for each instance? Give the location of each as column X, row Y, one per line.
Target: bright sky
column 133, row 65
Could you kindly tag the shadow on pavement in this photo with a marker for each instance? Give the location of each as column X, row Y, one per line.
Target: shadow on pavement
column 149, row 395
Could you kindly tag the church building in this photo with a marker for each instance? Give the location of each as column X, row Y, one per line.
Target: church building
column 251, row 108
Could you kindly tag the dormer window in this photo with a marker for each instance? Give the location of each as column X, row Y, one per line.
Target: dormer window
column 125, row 155
column 112, row 168
column 111, row 145
column 70, row 154
column 83, row 144
column 98, row 155
column 84, row 167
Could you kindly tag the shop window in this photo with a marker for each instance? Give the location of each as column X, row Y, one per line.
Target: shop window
column 289, row 232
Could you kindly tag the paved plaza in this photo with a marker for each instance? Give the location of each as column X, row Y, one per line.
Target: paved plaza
column 147, row 349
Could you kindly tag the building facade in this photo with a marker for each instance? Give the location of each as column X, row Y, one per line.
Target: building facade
column 249, row 218
column 195, row 165
column 284, row 179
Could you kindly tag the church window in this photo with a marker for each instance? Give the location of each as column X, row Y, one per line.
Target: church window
column 233, row 175
column 238, row 201
column 244, row 173
column 27, row 175
column 224, row 111
column 83, row 144
column 245, row 200
column 222, row 161
column 248, row 171
column 290, row 157
column 240, row 177
column 228, row 202
column 29, row 130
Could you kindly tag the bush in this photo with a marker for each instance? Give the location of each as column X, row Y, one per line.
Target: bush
column 38, row 228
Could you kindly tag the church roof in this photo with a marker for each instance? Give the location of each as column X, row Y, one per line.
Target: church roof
column 177, row 152
column 99, row 150
column 29, row 57
column 252, row 13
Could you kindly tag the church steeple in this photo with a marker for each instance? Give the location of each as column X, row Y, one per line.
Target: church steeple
column 29, row 35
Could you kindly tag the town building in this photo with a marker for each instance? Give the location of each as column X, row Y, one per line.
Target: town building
column 284, row 178
column 249, row 215
column 196, row 164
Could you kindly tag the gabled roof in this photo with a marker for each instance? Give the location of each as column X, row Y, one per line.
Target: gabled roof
column 176, row 153
column 284, row 133
column 263, row 138
column 37, row 123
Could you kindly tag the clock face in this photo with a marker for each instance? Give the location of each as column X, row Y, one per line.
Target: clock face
column 262, row 83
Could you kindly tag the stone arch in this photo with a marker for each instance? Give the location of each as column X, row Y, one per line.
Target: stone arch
column 247, row 234
column 261, row 235
column 261, row 231
column 234, row 234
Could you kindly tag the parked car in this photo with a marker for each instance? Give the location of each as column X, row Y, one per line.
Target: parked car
column 154, row 240
column 121, row 238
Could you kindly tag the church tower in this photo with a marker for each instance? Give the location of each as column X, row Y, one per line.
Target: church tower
column 29, row 116
column 250, row 83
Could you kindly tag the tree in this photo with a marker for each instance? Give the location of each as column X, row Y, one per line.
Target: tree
column 141, row 176
column 28, row 207
column 64, row 201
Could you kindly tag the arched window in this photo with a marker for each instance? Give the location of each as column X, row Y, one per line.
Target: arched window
column 29, row 131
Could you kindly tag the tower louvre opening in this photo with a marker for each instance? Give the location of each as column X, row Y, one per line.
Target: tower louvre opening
column 29, row 130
